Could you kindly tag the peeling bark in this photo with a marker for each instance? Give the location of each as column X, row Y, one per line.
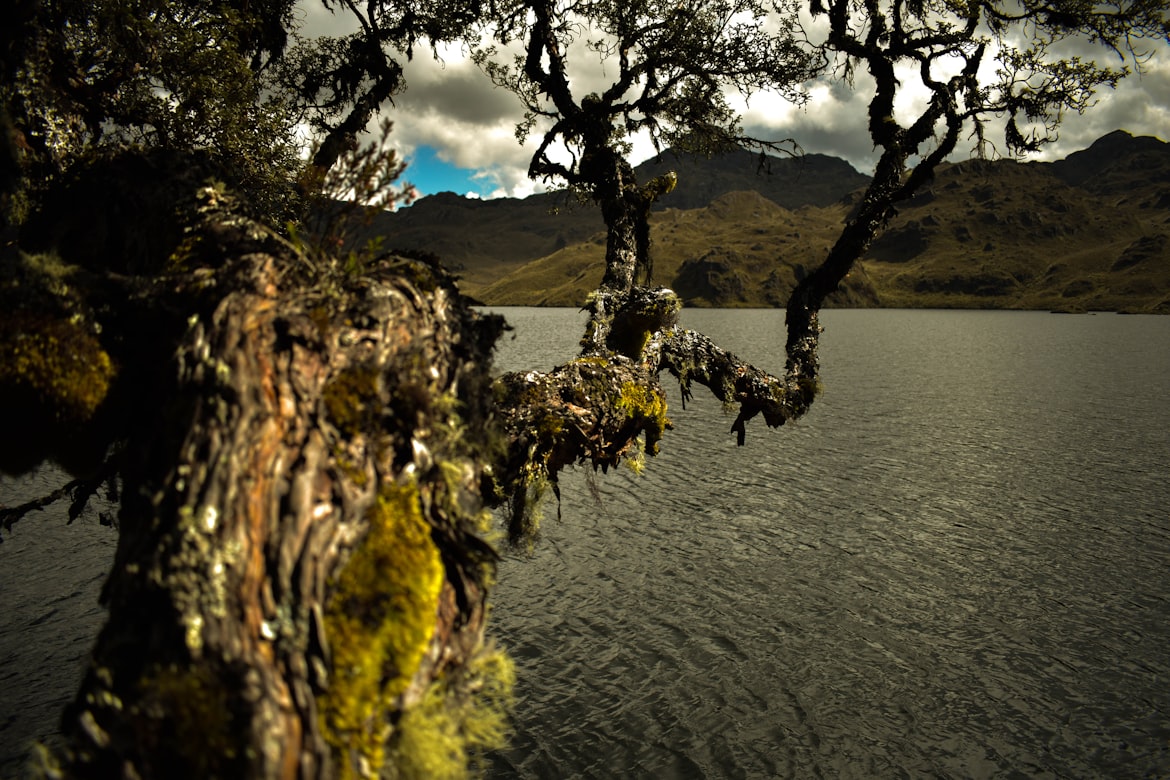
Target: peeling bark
column 303, row 416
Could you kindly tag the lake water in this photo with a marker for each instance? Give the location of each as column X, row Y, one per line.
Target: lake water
column 957, row 565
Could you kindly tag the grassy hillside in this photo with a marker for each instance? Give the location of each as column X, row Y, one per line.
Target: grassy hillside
column 1091, row 232
column 1009, row 235
column 485, row 240
column 723, row 255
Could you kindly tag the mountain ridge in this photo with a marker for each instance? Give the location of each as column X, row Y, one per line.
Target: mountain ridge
column 1091, row 231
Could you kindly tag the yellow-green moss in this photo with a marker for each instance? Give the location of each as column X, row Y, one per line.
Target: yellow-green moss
column 348, row 468
column 351, row 399
column 549, row 424
column 179, row 261
column 458, row 720
column 323, row 319
column 591, row 360
column 636, row 457
column 60, row 361
column 379, row 620
column 648, row 405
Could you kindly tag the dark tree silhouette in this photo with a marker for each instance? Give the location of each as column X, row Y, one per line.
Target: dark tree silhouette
column 672, row 66
column 945, row 42
column 948, row 46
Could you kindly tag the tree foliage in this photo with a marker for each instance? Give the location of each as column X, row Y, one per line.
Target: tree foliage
column 83, row 77
column 341, row 82
column 673, row 65
column 235, row 83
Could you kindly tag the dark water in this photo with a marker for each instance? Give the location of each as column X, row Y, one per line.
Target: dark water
column 957, row 566
column 50, row 575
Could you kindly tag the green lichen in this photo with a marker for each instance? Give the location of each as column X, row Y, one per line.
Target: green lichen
column 647, row 406
column 58, row 361
column 636, row 456
column 457, row 478
column 348, row 467
column 380, row 619
column 459, row 719
column 351, row 399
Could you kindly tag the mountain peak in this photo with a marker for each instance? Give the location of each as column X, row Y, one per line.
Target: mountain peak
column 1096, row 167
column 792, row 182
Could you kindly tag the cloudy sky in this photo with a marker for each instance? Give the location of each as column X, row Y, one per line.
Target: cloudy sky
column 458, row 132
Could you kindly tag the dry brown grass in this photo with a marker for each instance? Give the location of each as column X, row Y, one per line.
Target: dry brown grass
column 984, row 235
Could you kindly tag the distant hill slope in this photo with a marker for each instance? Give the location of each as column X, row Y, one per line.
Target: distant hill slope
column 722, row 255
column 482, row 240
column 791, row 182
column 1088, row 232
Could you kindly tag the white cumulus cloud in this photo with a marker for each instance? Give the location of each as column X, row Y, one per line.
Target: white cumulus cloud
column 452, row 107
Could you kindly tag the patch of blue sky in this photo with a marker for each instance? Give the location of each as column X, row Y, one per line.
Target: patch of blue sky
column 431, row 175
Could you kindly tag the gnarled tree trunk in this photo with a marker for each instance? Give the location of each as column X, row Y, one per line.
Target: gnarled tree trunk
column 301, row 574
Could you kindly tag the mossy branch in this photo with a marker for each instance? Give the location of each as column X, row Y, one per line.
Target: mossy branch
column 692, row 357
column 593, row 410
column 608, row 404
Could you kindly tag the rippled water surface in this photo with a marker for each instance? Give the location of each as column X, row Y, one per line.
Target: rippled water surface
column 50, row 575
column 958, row 566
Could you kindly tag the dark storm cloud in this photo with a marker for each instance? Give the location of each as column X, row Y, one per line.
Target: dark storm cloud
column 842, row 135
column 1139, row 105
column 456, row 89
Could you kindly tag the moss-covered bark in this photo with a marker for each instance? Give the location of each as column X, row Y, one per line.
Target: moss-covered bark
column 302, row 558
column 593, row 410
